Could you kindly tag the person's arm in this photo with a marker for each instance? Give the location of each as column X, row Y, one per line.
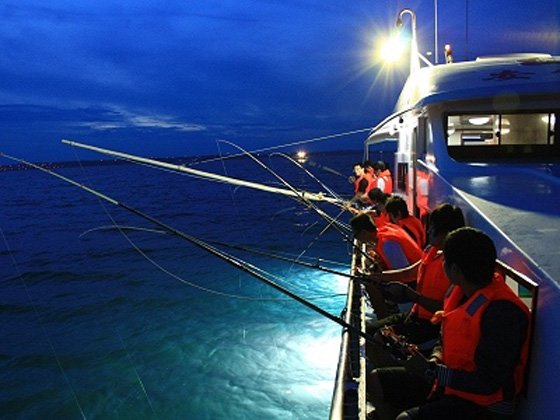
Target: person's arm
column 503, row 330
column 431, row 305
column 403, row 275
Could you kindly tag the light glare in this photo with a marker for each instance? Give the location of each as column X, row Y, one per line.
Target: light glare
column 393, row 49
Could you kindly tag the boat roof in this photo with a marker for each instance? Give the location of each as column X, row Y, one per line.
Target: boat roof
column 520, row 74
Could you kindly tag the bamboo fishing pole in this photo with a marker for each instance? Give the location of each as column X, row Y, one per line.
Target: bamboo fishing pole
column 332, row 221
column 201, row 244
column 206, row 175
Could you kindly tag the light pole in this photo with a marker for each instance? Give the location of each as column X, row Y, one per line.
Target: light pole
column 436, row 50
column 414, row 57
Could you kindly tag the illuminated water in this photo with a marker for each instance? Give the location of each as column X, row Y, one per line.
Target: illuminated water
column 95, row 326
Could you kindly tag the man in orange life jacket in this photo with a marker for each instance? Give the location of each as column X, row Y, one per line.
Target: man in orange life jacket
column 362, row 184
column 398, row 213
column 432, row 285
column 394, row 249
column 479, row 368
column 383, row 178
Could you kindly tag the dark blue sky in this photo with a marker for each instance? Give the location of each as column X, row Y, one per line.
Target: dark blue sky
column 164, row 78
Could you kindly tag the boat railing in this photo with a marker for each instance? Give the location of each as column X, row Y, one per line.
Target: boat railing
column 528, row 291
column 349, row 395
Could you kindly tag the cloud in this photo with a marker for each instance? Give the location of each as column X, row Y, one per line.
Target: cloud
column 120, row 119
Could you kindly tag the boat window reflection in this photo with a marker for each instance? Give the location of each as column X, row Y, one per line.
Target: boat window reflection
column 529, row 134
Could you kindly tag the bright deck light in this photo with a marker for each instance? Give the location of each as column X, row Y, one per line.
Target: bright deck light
column 393, row 49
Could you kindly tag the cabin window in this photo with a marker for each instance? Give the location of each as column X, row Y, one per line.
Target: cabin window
column 486, row 136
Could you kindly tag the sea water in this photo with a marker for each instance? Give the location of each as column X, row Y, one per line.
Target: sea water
column 103, row 323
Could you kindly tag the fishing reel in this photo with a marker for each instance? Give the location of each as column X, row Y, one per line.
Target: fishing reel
column 396, row 344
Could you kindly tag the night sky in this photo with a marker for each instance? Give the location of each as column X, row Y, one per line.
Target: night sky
column 171, row 78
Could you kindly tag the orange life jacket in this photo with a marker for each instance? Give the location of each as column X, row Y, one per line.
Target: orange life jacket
column 461, row 334
column 414, row 228
column 391, row 232
column 432, row 281
column 381, row 220
column 386, row 175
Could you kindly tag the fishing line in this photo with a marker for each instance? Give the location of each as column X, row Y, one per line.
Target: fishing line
column 297, row 143
column 299, row 194
column 335, row 223
column 241, row 248
column 41, row 323
column 327, row 189
column 210, row 249
column 114, row 324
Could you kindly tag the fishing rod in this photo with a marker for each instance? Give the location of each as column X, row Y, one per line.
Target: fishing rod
column 362, row 278
column 201, row 244
column 336, row 224
column 327, row 169
column 203, row 174
column 295, row 162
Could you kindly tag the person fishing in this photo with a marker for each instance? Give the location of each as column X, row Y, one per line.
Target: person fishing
column 427, row 296
column 393, row 248
column 383, row 177
column 398, row 213
column 478, row 368
column 363, row 183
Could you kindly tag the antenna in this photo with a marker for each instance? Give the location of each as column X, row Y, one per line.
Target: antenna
column 466, row 30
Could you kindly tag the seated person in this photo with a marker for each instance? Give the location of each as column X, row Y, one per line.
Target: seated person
column 393, row 249
column 432, row 284
column 398, row 213
column 478, row 370
column 376, row 207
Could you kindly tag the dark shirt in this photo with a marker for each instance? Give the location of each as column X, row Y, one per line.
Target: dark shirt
column 502, row 333
column 362, row 186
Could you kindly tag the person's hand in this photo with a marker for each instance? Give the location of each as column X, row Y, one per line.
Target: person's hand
column 418, row 364
column 374, row 277
column 396, row 288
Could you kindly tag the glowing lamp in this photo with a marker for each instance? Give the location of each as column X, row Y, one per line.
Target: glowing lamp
column 393, row 49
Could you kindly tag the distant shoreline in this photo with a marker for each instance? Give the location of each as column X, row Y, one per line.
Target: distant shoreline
column 186, row 160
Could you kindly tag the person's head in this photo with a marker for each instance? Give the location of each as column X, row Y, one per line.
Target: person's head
column 444, row 219
column 396, row 208
column 470, row 255
column 379, row 167
column 358, row 169
column 363, row 228
column 368, row 166
column 376, row 196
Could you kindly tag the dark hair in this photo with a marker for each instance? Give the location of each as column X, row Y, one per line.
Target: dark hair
column 358, row 164
column 397, row 206
column 367, row 163
column 375, row 194
column 446, row 218
column 474, row 253
column 362, row 222
column 379, row 165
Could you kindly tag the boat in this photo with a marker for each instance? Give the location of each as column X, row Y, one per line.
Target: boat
column 483, row 135
column 464, row 136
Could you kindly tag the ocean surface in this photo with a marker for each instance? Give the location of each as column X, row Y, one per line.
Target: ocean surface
column 103, row 323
